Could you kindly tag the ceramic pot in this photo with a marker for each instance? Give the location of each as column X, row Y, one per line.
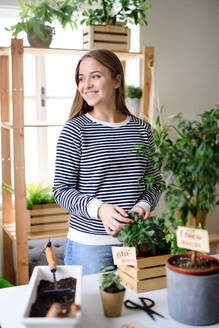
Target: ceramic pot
column 193, row 295
column 35, row 41
column 112, row 303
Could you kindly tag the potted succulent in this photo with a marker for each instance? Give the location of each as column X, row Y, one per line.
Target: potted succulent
column 36, row 18
column 106, row 24
column 133, row 97
column 112, row 292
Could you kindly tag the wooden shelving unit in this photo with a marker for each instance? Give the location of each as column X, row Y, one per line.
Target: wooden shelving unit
column 15, row 225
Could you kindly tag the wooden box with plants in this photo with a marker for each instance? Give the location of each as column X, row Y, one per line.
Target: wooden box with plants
column 152, row 242
column 112, row 37
column 43, row 213
column 107, row 24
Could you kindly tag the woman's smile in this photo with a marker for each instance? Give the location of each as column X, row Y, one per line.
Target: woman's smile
column 96, row 84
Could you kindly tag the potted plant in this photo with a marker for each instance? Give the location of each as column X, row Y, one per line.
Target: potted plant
column 36, row 18
column 193, row 289
column 43, row 213
column 112, row 292
column 153, row 241
column 106, row 24
column 133, row 97
column 187, row 155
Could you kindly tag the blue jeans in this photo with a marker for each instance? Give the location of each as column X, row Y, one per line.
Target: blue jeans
column 89, row 256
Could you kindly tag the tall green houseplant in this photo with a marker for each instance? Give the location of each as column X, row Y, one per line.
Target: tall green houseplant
column 187, row 154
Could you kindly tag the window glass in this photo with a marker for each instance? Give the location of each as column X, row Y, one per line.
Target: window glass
column 56, row 74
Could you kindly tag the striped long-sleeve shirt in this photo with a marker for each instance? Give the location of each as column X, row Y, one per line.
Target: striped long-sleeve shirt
column 96, row 162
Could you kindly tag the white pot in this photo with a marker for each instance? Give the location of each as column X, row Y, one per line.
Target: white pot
column 44, row 273
column 133, row 105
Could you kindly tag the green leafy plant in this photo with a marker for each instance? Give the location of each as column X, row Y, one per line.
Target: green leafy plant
column 133, row 92
column 38, row 194
column 109, row 281
column 187, row 155
column 147, row 235
column 35, row 13
column 4, row 283
column 125, row 11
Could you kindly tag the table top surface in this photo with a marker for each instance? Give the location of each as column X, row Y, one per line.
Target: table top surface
column 92, row 312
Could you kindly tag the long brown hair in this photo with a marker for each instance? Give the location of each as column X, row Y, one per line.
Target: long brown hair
column 108, row 59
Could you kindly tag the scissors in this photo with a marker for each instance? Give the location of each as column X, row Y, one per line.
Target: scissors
column 146, row 306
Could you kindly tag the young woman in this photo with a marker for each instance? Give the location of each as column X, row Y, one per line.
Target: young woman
column 97, row 169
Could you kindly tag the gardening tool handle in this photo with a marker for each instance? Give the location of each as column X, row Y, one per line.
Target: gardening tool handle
column 50, row 256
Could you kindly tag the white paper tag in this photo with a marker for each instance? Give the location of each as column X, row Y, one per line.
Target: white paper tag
column 130, row 325
column 194, row 239
column 124, row 255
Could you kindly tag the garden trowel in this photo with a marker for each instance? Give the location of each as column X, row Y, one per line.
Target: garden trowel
column 56, row 294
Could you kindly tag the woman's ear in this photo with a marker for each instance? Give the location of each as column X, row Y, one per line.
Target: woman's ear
column 117, row 82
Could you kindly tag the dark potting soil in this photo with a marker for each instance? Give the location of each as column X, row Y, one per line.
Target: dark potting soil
column 42, row 305
column 113, row 289
column 201, row 263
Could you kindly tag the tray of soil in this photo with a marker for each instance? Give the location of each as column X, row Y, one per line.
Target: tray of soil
column 36, row 307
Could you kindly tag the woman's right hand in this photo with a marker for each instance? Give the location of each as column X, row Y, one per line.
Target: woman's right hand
column 113, row 217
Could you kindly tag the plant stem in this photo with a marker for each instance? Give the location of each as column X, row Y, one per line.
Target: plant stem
column 193, row 257
column 104, row 9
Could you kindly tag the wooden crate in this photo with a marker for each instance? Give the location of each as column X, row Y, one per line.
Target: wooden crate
column 47, row 217
column 112, row 37
column 148, row 273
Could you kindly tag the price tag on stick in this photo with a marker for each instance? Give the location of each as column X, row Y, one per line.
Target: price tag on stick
column 194, row 239
column 124, row 255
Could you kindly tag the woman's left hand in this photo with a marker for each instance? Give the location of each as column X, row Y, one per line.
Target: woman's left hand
column 141, row 212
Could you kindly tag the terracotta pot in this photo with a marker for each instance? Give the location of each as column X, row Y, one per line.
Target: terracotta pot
column 112, row 303
column 35, row 41
column 193, row 294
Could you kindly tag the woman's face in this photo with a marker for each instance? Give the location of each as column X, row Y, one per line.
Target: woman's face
column 96, row 85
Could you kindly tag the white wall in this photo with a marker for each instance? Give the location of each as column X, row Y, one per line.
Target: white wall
column 185, row 34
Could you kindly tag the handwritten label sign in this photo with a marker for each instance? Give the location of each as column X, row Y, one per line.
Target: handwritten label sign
column 124, row 255
column 130, row 325
column 194, row 239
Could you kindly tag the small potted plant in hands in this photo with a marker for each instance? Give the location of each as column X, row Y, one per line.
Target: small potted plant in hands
column 112, row 292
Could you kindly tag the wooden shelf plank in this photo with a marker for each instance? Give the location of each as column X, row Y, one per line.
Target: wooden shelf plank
column 8, row 125
column 5, row 51
column 42, row 124
column 10, row 229
column 77, row 52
